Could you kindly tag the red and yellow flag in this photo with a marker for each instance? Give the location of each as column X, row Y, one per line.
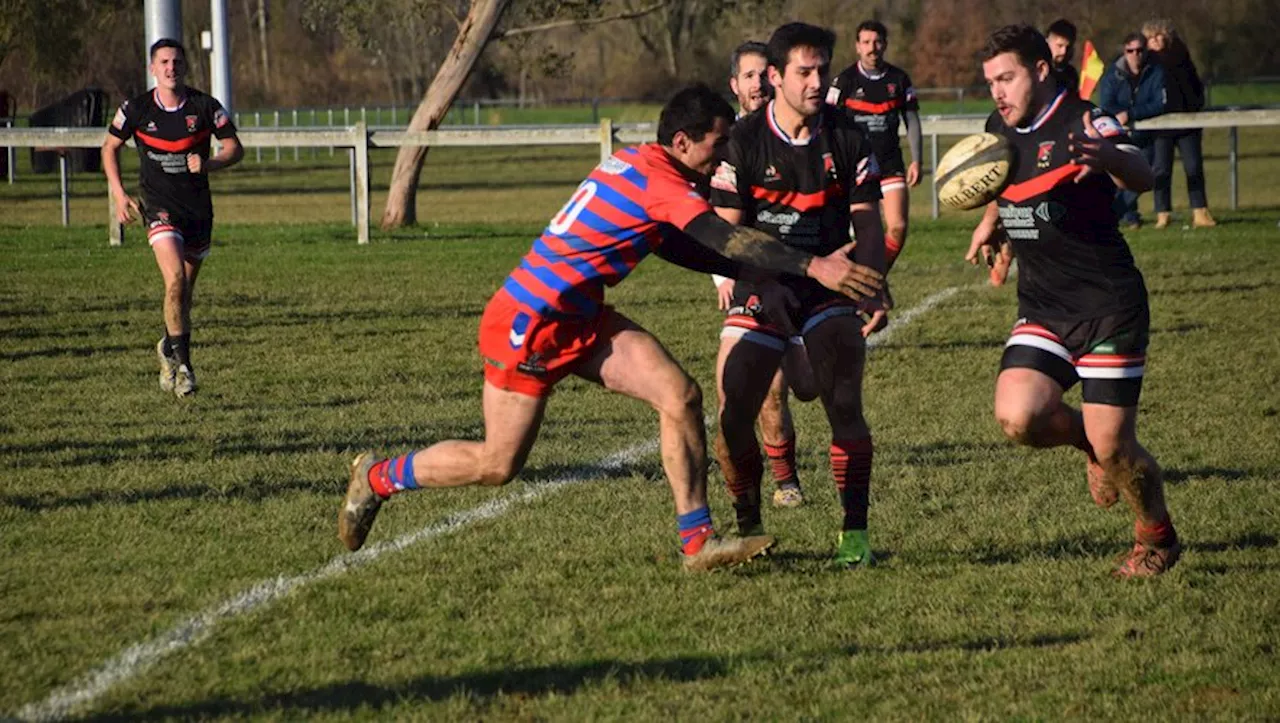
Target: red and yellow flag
column 1091, row 70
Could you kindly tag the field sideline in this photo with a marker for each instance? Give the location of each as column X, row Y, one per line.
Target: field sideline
column 125, row 512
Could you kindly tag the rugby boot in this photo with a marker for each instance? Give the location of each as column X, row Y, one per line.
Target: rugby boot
column 1200, row 218
column 360, row 506
column 720, row 552
column 1104, row 494
column 1147, row 560
column 184, row 381
column 168, row 367
column 854, row 550
column 788, row 497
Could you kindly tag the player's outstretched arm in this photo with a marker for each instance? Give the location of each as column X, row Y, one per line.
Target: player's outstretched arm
column 753, row 247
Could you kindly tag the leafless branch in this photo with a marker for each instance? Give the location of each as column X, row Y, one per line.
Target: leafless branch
column 580, row 23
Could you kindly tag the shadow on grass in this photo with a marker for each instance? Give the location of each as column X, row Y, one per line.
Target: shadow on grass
column 251, row 491
column 58, row 351
column 980, row 644
column 480, row 688
column 1180, row 476
column 1218, row 289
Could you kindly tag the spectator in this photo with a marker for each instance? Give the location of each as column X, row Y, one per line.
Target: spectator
column 1184, row 93
column 1062, row 45
column 1133, row 89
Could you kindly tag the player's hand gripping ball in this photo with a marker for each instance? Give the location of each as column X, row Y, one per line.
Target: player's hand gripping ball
column 974, row 171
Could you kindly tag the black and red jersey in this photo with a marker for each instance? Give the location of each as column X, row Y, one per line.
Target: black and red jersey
column 879, row 101
column 798, row 191
column 1073, row 262
column 164, row 137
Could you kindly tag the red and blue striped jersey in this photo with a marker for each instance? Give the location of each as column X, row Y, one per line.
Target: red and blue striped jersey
column 615, row 218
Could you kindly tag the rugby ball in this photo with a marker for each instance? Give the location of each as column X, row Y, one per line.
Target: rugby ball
column 974, row 171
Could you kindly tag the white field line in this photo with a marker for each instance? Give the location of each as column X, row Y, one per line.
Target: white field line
column 138, row 657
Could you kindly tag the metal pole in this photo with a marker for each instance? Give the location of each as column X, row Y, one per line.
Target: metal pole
column 331, row 126
column 295, row 127
column 115, row 230
column 475, row 109
column 1233, row 162
column 66, row 188
column 277, row 124
column 220, row 58
column 257, row 123
column 161, row 19
column 933, row 170
column 13, row 156
column 313, row 125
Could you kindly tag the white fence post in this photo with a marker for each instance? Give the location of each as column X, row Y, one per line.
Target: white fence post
column 606, row 139
column 1233, row 162
column 933, row 170
column 360, row 139
column 66, row 187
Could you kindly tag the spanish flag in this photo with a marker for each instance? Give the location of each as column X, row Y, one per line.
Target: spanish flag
column 1090, row 71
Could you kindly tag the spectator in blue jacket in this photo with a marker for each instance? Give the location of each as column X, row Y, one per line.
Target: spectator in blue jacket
column 1133, row 89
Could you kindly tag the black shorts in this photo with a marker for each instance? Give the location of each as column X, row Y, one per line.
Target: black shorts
column 893, row 170
column 749, row 320
column 195, row 234
column 1109, row 354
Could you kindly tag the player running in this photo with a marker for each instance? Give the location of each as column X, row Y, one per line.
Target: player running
column 801, row 171
column 171, row 126
column 549, row 320
column 749, row 81
column 1082, row 302
column 882, row 98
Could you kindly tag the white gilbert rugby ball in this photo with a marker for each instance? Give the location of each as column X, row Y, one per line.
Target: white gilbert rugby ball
column 974, row 171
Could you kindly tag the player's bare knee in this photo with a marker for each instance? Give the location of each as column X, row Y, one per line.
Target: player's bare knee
column 683, row 401
column 1018, row 426
column 498, row 472
column 897, row 231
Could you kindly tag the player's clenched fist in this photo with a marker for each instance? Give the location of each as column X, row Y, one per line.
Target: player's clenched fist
column 195, row 163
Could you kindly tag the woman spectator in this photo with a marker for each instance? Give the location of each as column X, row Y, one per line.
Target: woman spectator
column 1184, row 94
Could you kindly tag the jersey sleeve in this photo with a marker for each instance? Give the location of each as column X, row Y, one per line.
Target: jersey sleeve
column 864, row 184
column 909, row 99
column 670, row 199
column 124, row 123
column 223, row 126
column 730, row 184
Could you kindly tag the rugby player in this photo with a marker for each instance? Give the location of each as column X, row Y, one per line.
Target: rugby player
column 749, row 81
column 171, row 126
column 882, row 99
column 801, row 171
column 1082, row 303
column 549, row 320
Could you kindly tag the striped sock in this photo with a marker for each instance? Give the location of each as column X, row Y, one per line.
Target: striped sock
column 1156, row 534
column 892, row 247
column 393, row 475
column 851, row 466
column 695, row 529
column 742, row 476
column 782, row 462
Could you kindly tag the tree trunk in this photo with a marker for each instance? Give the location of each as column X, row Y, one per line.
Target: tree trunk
column 262, row 43
column 473, row 35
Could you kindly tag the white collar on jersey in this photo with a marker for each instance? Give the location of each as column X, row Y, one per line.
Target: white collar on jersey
column 777, row 129
column 870, row 75
column 155, row 93
column 1044, row 114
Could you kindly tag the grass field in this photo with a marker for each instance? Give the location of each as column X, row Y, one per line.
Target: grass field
column 168, row 559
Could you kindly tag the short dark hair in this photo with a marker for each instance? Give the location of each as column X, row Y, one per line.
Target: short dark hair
column 167, row 43
column 1134, row 38
column 798, row 35
column 751, row 47
column 693, row 110
column 1023, row 40
column 874, row 26
column 1063, row 28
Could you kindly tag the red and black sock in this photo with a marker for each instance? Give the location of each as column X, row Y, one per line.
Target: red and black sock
column 851, row 467
column 1156, row 534
column 782, row 462
column 892, row 247
column 742, row 477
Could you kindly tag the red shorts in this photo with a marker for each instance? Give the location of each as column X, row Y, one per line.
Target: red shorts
column 528, row 354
